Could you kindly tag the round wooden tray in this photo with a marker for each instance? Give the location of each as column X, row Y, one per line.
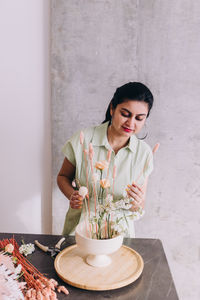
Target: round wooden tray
column 127, row 265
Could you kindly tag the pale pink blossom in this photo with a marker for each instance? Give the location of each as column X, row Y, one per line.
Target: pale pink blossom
column 9, row 248
column 83, row 191
column 74, row 183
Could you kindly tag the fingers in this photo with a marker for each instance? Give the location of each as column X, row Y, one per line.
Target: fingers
column 76, row 201
column 136, row 194
column 135, row 208
column 138, row 187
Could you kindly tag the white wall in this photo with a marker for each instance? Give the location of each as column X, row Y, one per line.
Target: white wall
column 25, row 145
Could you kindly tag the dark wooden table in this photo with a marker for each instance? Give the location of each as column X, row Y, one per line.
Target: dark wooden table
column 155, row 283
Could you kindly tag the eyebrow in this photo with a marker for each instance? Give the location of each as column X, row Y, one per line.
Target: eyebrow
column 131, row 113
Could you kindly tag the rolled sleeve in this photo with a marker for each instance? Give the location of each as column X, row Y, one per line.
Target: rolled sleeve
column 68, row 151
column 148, row 167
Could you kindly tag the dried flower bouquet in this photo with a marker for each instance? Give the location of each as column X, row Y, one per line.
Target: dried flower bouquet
column 19, row 279
column 110, row 217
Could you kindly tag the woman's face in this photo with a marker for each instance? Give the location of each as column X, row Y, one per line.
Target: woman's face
column 129, row 117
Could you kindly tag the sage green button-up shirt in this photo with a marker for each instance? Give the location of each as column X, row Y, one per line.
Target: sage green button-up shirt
column 133, row 163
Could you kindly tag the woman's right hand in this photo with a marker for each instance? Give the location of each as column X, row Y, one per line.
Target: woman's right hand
column 76, row 201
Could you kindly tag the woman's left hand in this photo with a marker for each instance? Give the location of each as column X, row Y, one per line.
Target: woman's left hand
column 136, row 193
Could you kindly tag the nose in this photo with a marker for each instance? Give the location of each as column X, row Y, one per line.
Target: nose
column 131, row 123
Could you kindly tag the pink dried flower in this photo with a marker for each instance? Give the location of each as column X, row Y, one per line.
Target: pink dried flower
column 81, row 137
column 7, row 262
column 39, row 295
column 114, row 171
column 109, row 155
column 10, row 288
column 63, row 289
column 53, row 295
column 55, row 283
column 91, row 151
column 156, row 148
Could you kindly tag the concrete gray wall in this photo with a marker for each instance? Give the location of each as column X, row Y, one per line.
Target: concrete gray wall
column 99, row 45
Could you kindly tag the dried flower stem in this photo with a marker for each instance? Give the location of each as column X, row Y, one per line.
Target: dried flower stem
column 86, row 165
column 114, row 175
column 86, row 168
column 91, row 154
column 155, row 148
column 105, row 229
column 36, row 282
column 86, row 217
column 108, row 159
column 142, row 172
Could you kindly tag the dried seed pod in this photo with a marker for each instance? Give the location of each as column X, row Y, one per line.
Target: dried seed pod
column 63, row 289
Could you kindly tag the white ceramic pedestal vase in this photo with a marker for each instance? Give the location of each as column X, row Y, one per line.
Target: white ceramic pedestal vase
column 97, row 250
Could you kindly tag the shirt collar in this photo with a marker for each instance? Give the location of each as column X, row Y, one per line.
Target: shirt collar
column 100, row 138
column 132, row 145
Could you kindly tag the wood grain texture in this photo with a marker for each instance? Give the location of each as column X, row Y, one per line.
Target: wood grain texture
column 126, row 267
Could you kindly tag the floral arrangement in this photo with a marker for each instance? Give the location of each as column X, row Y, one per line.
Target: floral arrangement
column 19, row 279
column 109, row 218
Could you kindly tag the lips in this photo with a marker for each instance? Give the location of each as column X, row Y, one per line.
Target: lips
column 127, row 129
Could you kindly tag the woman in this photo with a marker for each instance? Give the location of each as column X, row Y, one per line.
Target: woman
column 125, row 117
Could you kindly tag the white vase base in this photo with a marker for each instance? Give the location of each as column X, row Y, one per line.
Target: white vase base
column 98, row 260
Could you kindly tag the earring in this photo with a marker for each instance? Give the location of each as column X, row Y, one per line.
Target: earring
column 143, row 135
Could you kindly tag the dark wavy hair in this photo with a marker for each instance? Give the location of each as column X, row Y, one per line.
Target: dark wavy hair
column 135, row 91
